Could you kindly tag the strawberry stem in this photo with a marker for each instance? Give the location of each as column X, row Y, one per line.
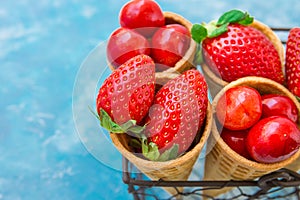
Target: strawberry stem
column 94, row 113
column 198, row 57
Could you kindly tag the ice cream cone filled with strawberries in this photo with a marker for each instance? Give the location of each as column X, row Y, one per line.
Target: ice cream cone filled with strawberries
column 161, row 130
column 155, row 103
column 236, row 46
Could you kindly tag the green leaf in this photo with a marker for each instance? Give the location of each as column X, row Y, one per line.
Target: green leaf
column 107, row 123
column 169, row 154
column 145, row 148
column 150, row 150
column 247, row 20
column 235, row 16
column 138, row 130
column 298, row 98
column 232, row 16
column 215, row 28
column 127, row 125
column 199, row 33
column 218, row 31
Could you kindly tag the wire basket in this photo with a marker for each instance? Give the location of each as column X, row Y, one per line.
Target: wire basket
column 281, row 184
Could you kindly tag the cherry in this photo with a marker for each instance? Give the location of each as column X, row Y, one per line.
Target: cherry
column 239, row 108
column 124, row 44
column 273, row 139
column 142, row 13
column 236, row 140
column 275, row 104
column 169, row 45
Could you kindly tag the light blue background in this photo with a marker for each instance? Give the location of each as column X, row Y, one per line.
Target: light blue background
column 42, row 46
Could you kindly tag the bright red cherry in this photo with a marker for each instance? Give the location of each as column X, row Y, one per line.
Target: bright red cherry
column 124, row 44
column 142, row 13
column 236, row 140
column 169, row 45
column 275, row 104
column 239, row 108
column 273, row 139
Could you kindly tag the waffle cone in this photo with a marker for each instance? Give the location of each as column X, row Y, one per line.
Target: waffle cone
column 186, row 62
column 216, row 84
column 222, row 163
column 177, row 169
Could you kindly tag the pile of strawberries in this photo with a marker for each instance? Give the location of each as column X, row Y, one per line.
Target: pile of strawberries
column 162, row 125
column 163, row 122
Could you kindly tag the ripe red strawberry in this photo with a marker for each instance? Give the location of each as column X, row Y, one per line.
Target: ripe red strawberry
column 233, row 50
column 177, row 113
column 292, row 63
column 127, row 93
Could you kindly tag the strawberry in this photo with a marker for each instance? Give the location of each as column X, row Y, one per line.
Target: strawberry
column 232, row 49
column 178, row 112
column 127, row 94
column 292, row 63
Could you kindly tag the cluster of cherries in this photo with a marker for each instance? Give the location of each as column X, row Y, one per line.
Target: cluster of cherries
column 259, row 127
column 144, row 30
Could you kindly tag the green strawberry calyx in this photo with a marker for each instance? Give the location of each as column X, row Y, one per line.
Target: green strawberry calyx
column 107, row 123
column 151, row 152
column 149, row 149
column 215, row 28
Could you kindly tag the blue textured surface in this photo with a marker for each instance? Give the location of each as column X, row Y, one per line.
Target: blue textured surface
column 42, row 46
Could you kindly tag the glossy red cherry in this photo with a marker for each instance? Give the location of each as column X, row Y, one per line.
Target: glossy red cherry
column 239, row 108
column 169, row 45
column 273, row 139
column 142, row 13
column 275, row 104
column 124, row 44
column 236, row 140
